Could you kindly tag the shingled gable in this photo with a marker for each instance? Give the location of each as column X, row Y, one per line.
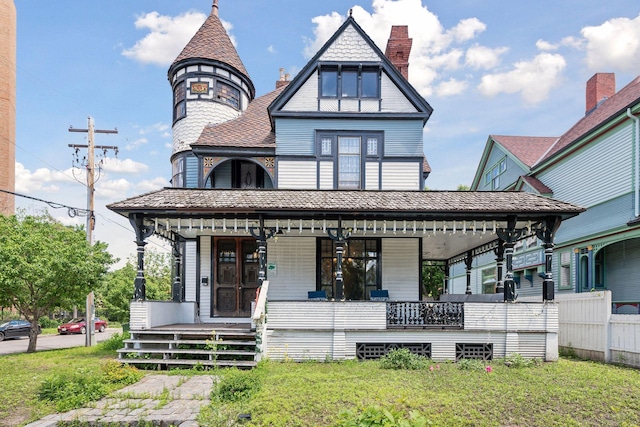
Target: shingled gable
column 423, row 108
column 211, row 42
column 251, row 130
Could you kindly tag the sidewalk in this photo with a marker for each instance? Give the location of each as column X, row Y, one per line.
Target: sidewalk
column 156, row 399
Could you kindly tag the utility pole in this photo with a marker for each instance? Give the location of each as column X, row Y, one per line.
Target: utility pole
column 89, row 162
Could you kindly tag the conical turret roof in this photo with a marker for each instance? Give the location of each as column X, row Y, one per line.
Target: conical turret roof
column 212, row 42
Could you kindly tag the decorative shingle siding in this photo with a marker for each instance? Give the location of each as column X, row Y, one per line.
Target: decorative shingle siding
column 199, row 113
column 350, row 47
column 598, row 173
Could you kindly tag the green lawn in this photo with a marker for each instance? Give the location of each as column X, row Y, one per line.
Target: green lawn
column 567, row 393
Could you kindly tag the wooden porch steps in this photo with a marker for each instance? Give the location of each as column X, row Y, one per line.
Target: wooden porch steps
column 204, row 345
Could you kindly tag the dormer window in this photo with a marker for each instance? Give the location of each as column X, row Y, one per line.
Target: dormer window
column 349, row 82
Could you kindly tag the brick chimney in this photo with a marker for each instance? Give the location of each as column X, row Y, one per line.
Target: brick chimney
column 284, row 79
column 599, row 87
column 398, row 48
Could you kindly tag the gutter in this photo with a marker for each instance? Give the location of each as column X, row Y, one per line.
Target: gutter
column 637, row 162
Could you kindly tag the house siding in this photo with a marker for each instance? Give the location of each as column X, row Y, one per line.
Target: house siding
column 199, row 114
column 401, row 176
column 393, row 100
column 326, row 175
column 372, row 175
column 190, row 263
column 205, row 271
column 623, row 261
column 598, row 173
column 297, row 174
column 295, row 261
column 349, row 46
column 508, row 177
column 296, row 137
column 306, row 98
column 401, row 267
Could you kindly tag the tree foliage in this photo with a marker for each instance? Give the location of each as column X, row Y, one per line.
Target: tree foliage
column 45, row 265
column 117, row 289
column 432, row 278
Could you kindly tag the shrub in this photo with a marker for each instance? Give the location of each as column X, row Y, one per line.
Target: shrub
column 115, row 341
column 72, row 390
column 516, row 360
column 471, row 365
column 115, row 372
column 376, row 416
column 45, row 322
column 402, row 358
column 236, row 385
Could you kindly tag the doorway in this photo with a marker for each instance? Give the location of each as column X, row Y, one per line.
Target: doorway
column 236, row 267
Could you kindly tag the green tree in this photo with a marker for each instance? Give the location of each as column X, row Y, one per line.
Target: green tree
column 463, row 187
column 432, row 278
column 45, row 265
column 114, row 296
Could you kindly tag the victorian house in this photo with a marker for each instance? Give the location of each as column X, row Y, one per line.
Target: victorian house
column 299, row 219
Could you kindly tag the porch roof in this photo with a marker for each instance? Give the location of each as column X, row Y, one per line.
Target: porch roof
column 454, row 221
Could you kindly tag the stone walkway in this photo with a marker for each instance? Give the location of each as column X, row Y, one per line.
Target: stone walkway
column 160, row 400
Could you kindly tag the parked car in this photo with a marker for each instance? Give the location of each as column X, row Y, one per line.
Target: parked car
column 79, row 326
column 16, row 329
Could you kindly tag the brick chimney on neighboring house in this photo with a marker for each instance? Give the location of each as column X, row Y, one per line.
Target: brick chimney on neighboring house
column 599, row 87
column 398, row 48
column 284, row 79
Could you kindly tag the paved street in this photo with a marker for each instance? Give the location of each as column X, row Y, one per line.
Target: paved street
column 51, row 342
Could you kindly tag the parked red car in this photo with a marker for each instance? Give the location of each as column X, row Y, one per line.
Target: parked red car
column 79, row 326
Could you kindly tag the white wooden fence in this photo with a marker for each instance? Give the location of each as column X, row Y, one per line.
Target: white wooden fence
column 588, row 329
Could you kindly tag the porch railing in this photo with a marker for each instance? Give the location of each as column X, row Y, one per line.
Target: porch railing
column 425, row 315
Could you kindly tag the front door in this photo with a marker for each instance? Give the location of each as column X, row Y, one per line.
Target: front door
column 236, row 276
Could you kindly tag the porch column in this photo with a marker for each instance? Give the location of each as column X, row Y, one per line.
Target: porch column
column 262, row 234
column 176, row 288
column 509, row 235
column 339, row 236
column 469, row 263
column 142, row 233
column 547, row 234
column 499, row 267
column 446, row 277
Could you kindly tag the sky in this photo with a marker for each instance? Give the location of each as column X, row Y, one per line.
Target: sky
column 485, row 66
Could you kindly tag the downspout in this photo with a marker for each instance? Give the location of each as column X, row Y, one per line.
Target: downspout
column 637, row 161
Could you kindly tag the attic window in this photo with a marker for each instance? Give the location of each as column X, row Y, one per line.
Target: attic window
column 349, row 82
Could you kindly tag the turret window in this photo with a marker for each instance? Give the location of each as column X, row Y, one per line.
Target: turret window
column 228, row 94
column 179, row 104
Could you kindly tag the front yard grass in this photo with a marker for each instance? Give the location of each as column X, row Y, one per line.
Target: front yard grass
column 567, row 393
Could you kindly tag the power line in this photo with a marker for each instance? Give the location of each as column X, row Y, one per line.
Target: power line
column 72, row 212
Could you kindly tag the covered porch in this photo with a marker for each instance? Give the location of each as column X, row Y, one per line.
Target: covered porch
column 303, row 242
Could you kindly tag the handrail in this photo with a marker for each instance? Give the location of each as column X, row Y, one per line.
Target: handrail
column 425, row 314
column 261, row 302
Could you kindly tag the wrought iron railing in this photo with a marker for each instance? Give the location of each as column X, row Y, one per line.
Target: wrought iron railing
column 425, row 315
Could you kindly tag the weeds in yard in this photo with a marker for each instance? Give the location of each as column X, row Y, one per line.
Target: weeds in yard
column 402, row 358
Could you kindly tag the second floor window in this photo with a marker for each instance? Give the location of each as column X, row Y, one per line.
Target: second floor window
column 492, row 176
column 179, row 101
column 349, row 82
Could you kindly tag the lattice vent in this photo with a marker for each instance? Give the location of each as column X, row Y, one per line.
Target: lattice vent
column 367, row 351
column 474, row 351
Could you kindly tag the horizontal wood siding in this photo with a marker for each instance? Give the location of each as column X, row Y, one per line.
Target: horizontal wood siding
column 612, row 214
column 192, row 172
column 296, row 137
column 223, row 175
column 190, row 279
column 401, row 175
column 600, row 172
column 393, row 100
column 622, row 269
column 306, row 98
column 400, row 268
column 295, row 261
column 326, row 175
column 372, row 176
column 294, row 174
column 205, row 271
column 508, row 177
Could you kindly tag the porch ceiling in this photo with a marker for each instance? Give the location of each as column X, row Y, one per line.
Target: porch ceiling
column 449, row 222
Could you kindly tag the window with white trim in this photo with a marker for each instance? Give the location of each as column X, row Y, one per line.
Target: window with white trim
column 492, row 176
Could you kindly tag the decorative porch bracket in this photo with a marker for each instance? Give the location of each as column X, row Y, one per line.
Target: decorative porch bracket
column 176, row 288
column 509, row 235
column 340, row 236
column 547, row 233
column 262, row 234
column 499, row 251
column 142, row 233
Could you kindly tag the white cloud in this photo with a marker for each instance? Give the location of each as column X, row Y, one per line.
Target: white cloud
column 152, row 185
column 112, row 189
column 135, row 144
column 482, row 57
column 532, row 79
column 126, row 166
column 271, row 49
column 545, row 45
column 44, row 179
column 451, row 87
column 167, row 37
column 467, row 29
column 615, row 43
column 155, row 128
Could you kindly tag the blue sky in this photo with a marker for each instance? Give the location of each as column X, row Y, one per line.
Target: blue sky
column 486, row 67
